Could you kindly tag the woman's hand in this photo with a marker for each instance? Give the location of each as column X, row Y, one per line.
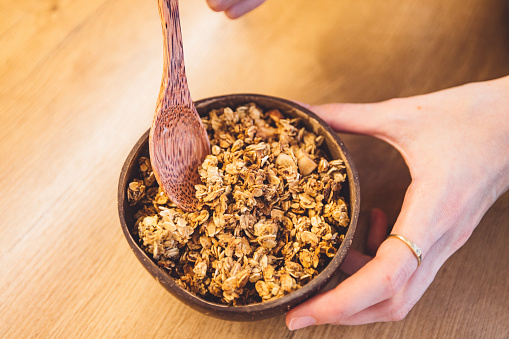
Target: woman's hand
column 456, row 145
column 234, row 8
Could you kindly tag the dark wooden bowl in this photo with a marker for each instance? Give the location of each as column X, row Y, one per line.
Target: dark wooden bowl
column 270, row 308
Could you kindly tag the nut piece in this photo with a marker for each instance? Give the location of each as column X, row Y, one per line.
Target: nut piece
column 284, row 160
column 306, row 164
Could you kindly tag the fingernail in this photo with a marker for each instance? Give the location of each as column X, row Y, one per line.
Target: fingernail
column 300, row 322
column 216, row 5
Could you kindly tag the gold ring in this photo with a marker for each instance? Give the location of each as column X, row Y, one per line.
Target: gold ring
column 415, row 249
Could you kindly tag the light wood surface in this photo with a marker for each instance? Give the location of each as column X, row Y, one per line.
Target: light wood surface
column 78, row 86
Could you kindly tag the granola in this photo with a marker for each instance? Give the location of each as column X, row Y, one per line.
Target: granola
column 271, row 215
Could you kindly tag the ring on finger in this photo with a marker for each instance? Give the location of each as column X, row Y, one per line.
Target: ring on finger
column 415, row 249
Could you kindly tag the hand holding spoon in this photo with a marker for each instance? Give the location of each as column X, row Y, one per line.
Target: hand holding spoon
column 178, row 141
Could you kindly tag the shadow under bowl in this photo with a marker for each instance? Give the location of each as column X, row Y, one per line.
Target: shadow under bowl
column 350, row 191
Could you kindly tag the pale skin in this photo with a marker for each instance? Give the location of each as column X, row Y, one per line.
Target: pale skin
column 234, row 8
column 455, row 143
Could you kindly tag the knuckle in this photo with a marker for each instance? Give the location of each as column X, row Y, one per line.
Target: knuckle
column 462, row 238
column 399, row 313
column 397, row 308
column 395, row 280
column 392, row 283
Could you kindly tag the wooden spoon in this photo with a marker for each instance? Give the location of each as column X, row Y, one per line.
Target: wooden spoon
column 178, row 141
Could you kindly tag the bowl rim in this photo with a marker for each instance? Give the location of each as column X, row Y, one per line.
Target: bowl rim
column 284, row 303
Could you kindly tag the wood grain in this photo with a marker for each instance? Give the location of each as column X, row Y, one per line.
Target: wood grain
column 78, row 86
column 178, row 141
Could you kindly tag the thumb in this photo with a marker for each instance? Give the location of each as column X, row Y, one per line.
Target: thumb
column 354, row 118
column 389, row 120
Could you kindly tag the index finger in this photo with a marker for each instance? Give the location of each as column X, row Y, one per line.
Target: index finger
column 378, row 280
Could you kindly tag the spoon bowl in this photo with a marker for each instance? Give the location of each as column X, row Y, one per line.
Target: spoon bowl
column 178, row 141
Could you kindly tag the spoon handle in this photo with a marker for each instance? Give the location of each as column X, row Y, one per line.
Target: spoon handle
column 174, row 89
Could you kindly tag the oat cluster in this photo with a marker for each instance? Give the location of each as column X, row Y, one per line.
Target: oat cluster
column 271, row 217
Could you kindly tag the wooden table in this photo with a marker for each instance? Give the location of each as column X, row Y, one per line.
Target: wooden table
column 78, row 85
